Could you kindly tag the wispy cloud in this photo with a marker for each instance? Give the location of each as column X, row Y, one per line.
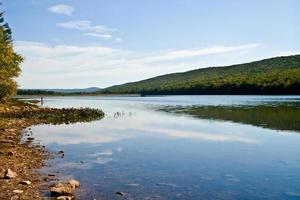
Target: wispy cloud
column 95, row 65
column 99, row 31
column 79, row 25
column 62, row 9
column 84, row 25
column 179, row 54
column 99, row 35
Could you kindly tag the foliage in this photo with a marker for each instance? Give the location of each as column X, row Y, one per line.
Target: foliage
column 9, row 62
column 36, row 92
column 280, row 75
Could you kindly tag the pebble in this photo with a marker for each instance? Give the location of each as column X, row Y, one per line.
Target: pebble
column 18, row 191
column 9, row 174
column 25, row 182
column 15, row 197
column 64, row 198
column 74, row 183
column 121, row 193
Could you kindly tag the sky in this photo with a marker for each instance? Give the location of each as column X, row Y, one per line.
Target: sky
column 99, row 43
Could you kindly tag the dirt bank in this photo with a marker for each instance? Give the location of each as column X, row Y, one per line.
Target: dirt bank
column 19, row 160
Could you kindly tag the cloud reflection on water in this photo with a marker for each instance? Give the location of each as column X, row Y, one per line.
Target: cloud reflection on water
column 147, row 123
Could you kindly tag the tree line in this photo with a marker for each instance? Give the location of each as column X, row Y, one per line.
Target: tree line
column 9, row 62
column 280, row 75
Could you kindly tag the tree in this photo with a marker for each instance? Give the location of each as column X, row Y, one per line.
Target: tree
column 9, row 62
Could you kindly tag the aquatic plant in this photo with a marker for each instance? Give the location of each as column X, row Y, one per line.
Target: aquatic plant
column 55, row 115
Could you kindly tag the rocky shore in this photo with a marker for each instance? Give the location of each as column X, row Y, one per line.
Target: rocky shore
column 19, row 160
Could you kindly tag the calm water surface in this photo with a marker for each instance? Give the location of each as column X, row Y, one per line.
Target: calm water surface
column 161, row 148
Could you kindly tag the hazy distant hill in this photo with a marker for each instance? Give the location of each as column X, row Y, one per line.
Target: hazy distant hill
column 57, row 91
column 280, row 75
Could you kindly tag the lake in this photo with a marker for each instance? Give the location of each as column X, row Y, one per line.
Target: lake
column 179, row 147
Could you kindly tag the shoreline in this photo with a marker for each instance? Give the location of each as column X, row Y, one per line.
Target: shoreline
column 23, row 159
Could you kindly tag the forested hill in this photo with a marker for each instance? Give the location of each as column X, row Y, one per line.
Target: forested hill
column 280, row 75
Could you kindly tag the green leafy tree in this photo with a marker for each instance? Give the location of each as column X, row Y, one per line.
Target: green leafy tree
column 9, row 62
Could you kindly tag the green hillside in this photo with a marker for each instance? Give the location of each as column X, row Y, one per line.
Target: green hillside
column 280, row 75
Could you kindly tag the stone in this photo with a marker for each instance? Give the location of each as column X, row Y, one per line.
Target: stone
column 51, row 174
column 30, row 139
column 121, row 193
column 18, row 191
column 15, row 197
column 64, row 188
column 9, row 174
column 61, row 189
column 74, row 183
column 25, row 182
column 64, row 198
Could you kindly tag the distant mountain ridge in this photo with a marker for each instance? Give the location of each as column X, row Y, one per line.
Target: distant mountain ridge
column 279, row 75
column 59, row 91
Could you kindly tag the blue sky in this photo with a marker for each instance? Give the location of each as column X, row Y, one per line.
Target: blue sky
column 75, row 43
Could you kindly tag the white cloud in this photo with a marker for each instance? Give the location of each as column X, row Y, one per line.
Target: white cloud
column 98, row 31
column 67, row 66
column 79, row 25
column 62, row 9
column 178, row 54
column 99, row 35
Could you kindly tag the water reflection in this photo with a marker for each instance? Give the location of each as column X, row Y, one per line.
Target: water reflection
column 273, row 116
column 150, row 154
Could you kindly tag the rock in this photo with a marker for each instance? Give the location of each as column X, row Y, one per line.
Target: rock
column 61, row 189
column 15, row 197
column 64, row 198
column 25, row 182
column 51, row 174
column 18, row 191
column 9, row 174
column 64, row 188
column 121, row 193
column 30, row 139
column 11, row 153
column 74, row 183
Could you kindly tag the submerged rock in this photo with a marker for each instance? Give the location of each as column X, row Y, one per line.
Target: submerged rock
column 64, row 188
column 74, row 183
column 120, row 193
column 9, row 174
